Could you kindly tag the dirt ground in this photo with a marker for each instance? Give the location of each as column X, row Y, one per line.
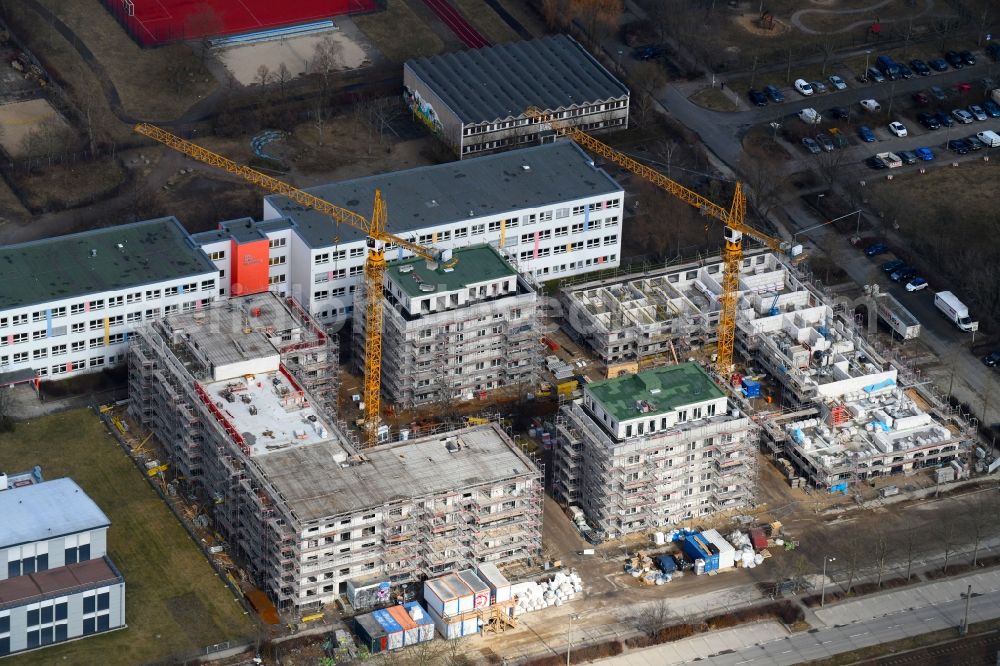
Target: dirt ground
column 486, row 21
column 18, row 119
column 399, row 33
column 296, row 54
column 62, row 187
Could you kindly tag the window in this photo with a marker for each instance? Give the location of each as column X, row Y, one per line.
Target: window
column 133, row 317
column 116, row 301
column 134, row 297
column 356, row 270
column 276, row 242
column 478, row 229
column 208, row 285
column 19, row 319
column 276, row 261
column 76, row 308
column 461, row 233
column 323, row 258
column 152, row 293
column 276, row 279
column 38, row 335
column 58, row 350
column 217, row 255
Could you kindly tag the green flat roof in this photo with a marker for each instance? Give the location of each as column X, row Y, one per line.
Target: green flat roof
column 665, row 389
column 479, row 263
column 53, row 269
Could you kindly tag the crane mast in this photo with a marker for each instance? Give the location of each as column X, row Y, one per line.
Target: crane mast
column 378, row 239
column 733, row 218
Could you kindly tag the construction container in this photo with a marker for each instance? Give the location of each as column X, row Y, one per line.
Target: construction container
column 944, row 475
column 371, row 634
column 666, row 563
column 498, row 583
column 888, row 491
column 393, row 629
column 411, row 632
column 443, row 595
column 480, row 590
column 757, row 538
column 450, row 629
column 425, row 625
column 696, row 547
column 727, row 554
column 751, row 388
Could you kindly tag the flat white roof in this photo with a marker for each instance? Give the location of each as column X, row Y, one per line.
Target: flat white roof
column 271, row 413
column 46, row 511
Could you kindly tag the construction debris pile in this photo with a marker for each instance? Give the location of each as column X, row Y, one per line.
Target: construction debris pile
column 650, row 572
column 533, row 596
column 745, row 550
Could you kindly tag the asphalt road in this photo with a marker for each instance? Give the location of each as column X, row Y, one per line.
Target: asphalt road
column 853, row 625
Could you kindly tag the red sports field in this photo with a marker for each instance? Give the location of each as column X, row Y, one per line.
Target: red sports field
column 153, row 22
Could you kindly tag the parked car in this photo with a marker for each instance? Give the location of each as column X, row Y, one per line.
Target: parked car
column 811, row 145
column 837, row 83
column 826, row 141
column 945, row 119
column 866, row 134
column 992, row 359
column 962, row 116
column 773, row 93
column 963, row 87
column 897, row 128
column 904, row 71
column 978, row 112
column 874, row 75
column 757, row 97
column 876, row 249
column 921, row 98
column 992, row 108
column 908, row 157
column 871, row 105
column 959, row 146
column 967, row 58
column 803, row 87
column 938, row 93
column 925, row 154
column 875, row 163
column 928, row 120
column 987, row 83
column 938, row 65
column 648, row 52
column 892, row 265
column 840, row 112
column 818, row 87
column 974, row 143
column 903, row 274
column 839, row 138
column 916, row 284
column 920, row 67
column 954, row 59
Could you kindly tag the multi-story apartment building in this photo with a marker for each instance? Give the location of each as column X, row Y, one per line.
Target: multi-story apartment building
column 244, row 396
column 452, row 333
column 58, row 583
column 69, row 303
column 652, row 450
column 475, row 99
column 547, row 208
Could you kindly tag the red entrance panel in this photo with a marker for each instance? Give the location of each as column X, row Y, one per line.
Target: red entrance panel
column 249, row 267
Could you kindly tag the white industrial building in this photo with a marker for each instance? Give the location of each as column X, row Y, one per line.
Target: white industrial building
column 243, row 395
column 58, row 583
column 69, row 303
column 547, row 208
column 652, row 450
column 453, row 333
column 475, row 99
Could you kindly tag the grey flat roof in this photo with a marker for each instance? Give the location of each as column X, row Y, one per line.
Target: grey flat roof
column 483, row 85
column 478, row 263
column 21, row 590
column 315, row 486
column 430, row 196
column 47, row 510
column 62, row 267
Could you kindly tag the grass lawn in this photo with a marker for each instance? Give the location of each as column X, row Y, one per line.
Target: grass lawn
column 399, row 33
column 486, row 21
column 175, row 604
column 714, row 99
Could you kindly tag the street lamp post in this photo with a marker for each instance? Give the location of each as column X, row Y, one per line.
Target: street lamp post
column 569, row 635
column 867, row 54
column 857, row 227
column 822, row 594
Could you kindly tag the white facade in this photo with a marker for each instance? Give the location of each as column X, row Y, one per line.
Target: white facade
column 544, row 242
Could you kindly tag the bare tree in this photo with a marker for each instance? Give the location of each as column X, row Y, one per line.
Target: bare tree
column 6, row 410
column 880, row 553
column 852, row 554
column 764, row 181
column 283, row 76
column 910, row 539
column 948, row 536
column 319, row 121
column 830, row 165
column 665, row 149
column 652, row 617
column 326, row 57
column 203, row 24
column 598, row 17
column 554, row 12
column 377, row 114
column 263, row 76
column 981, row 521
column 827, row 49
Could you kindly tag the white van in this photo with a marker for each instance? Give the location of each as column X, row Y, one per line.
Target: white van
column 990, row 138
column 810, row 116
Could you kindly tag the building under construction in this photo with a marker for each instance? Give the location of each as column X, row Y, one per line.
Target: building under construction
column 453, row 333
column 640, row 318
column 242, row 394
column 653, row 450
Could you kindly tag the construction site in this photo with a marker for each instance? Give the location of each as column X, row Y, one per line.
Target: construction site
column 242, row 394
column 453, row 333
column 654, row 450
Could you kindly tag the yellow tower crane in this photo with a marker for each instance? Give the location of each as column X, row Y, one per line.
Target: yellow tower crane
column 378, row 239
column 733, row 218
